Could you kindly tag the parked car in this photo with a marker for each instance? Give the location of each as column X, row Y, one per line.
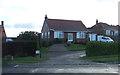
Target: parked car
column 95, row 37
column 105, row 39
column 9, row 40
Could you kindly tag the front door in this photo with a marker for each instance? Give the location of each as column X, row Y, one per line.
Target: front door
column 70, row 37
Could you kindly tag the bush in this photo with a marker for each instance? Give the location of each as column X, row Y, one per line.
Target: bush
column 96, row 48
column 81, row 42
column 57, row 40
column 46, row 43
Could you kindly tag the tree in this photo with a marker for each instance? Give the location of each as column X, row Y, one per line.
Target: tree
column 32, row 36
column 28, row 35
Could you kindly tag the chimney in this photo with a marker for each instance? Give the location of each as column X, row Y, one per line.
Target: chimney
column 46, row 17
column 96, row 21
column 2, row 23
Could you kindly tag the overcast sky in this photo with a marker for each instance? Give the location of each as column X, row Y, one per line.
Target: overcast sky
column 28, row 15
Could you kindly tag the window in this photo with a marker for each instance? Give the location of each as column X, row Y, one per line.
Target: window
column 116, row 33
column 42, row 35
column 55, row 35
column 107, row 32
column 61, row 35
column 58, row 34
column 92, row 37
column 48, row 34
column 81, row 35
column 112, row 33
column 45, row 35
column 105, row 38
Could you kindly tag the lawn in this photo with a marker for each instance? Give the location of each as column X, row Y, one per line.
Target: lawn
column 103, row 59
column 74, row 47
column 25, row 60
column 44, row 50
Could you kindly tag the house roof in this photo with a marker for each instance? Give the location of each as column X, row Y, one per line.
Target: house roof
column 104, row 26
column 66, row 25
column 109, row 27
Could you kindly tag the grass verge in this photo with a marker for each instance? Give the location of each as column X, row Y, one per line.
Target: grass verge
column 24, row 60
column 44, row 50
column 103, row 59
column 27, row 59
column 74, row 47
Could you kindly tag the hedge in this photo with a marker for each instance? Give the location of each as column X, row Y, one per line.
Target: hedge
column 96, row 48
column 24, row 48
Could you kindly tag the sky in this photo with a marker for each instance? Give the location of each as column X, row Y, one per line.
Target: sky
column 28, row 15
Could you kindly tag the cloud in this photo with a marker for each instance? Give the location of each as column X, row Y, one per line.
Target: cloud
column 8, row 26
column 29, row 14
column 24, row 25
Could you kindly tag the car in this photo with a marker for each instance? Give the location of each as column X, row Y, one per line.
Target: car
column 9, row 40
column 106, row 39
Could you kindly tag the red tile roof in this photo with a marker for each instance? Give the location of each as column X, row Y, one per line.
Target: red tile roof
column 103, row 26
column 109, row 27
column 66, row 25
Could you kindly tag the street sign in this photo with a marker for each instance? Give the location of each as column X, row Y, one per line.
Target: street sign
column 37, row 51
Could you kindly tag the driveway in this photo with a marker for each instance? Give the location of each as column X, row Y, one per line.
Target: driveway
column 63, row 61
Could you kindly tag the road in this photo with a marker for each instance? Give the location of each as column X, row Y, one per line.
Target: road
column 63, row 62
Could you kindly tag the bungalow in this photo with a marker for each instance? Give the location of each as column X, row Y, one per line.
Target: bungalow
column 105, row 29
column 68, row 30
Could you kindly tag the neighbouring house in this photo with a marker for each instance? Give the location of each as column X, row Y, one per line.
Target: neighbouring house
column 11, row 39
column 68, row 30
column 104, row 29
column 3, row 34
column 3, row 31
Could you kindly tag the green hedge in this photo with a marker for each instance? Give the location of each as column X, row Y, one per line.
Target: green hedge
column 95, row 48
column 19, row 48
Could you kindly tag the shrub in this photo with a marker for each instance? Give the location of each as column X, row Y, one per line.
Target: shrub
column 81, row 42
column 96, row 48
column 57, row 40
column 46, row 43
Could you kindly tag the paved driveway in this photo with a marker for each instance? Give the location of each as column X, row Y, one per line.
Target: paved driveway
column 63, row 61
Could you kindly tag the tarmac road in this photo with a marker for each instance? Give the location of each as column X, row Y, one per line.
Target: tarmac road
column 64, row 62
